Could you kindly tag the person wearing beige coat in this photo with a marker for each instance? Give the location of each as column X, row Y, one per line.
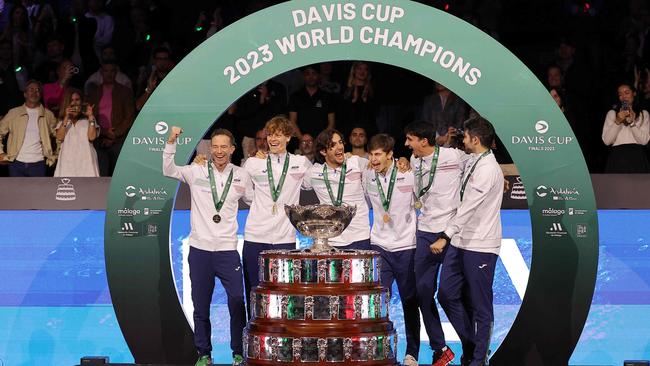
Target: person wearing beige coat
column 29, row 129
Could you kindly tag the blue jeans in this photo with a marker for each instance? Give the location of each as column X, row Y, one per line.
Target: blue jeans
column 20, row 169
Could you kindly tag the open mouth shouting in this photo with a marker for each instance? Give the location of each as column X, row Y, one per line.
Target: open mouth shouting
column 339, row 155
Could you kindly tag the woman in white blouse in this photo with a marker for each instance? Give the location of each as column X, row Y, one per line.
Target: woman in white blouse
column 75, row 132
column 627, row 130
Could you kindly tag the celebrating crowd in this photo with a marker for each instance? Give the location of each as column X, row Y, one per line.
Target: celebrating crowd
column 117, row 53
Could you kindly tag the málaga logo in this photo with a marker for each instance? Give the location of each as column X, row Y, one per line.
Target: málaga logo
column 128, row 212
column 552, row 212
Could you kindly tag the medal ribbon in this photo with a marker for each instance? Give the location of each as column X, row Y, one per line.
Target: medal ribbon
column 218, row 203
column 462, row 188
column 339, row 194
column 432, row 173
column 385, row 201
column 275, row 191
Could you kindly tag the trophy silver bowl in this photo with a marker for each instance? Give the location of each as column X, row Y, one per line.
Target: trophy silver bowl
column 320, row 222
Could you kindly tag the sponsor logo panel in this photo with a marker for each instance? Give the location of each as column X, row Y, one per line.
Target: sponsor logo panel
column 544, row 140
column 556, row 230
column 557, row 193
column 156, row 143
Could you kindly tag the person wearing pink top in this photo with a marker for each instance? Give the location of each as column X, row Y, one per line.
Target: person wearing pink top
column 115, row 113
column 53, row 92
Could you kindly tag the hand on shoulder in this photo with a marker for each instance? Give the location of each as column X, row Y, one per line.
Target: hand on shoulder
column 200, row 159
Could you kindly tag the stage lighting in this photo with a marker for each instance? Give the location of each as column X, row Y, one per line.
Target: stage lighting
column 94, row 360
column 636, row 363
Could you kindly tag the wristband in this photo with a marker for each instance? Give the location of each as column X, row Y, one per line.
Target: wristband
column 445, row 237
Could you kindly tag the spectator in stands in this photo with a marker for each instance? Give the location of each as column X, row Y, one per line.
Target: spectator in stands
column 311, row 110
column 161, row 65
column 633, row 35
column 306, row 147
column 254, row 108
column 576, row 73
column 216, row 23
column 445, row 111
column 358, row 104
column 261, row 144
column 627, row 130
column 135, row 40
column 75, row 132
column 642, row 84
column 53, row 92
column 554, row 78
column 209, row 22
column 20, row 36
column 358, row 140
column 46, row 70
column 94, row 80
column 9, row 92
column 78, row 32
column 105, row 25
column 42, row 20
column 115, row 112
column 28, row 130
column 326, row 82
column 580, row 131
column 557, row 97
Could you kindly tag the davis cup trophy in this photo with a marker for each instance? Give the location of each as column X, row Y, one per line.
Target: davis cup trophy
column 320, row 306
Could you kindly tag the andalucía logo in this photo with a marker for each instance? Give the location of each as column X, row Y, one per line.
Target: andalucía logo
column 129, row 191
column 542, row 141
column 157, row 143
column 153, row 194
column 147, row 194
column 557, row 194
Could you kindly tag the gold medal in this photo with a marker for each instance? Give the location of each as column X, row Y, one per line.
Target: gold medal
column 386, row 218
column 274, row 210
column 216, row 218
column 418, row 204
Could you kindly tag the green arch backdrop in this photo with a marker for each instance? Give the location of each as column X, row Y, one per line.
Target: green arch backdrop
column 400, row 33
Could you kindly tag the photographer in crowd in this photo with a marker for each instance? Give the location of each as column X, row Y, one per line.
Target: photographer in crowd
column 75, row 132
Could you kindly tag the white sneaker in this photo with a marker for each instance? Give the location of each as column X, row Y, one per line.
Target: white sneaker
column 410, row 361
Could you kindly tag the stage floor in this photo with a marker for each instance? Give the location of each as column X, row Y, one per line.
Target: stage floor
column 55, row 306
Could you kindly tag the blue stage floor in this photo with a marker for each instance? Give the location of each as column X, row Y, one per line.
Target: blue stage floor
column 55, row 306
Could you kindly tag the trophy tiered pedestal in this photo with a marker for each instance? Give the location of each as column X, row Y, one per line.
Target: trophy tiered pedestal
column 320, row 306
